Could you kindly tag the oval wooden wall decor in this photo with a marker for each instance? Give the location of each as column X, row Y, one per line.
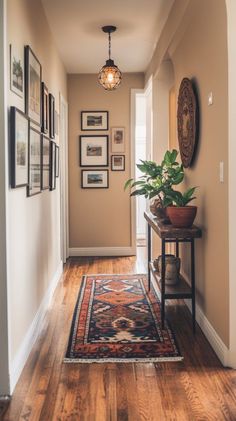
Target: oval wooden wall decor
column 187, row 122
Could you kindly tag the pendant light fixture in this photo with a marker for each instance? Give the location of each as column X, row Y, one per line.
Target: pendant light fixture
column 110, row 75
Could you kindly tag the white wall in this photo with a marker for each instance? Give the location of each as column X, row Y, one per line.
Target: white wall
column 4, row 361
column 34, row 248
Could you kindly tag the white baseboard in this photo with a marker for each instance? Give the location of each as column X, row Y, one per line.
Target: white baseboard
column 212, row 336
column 102, row 251
column 21, row 357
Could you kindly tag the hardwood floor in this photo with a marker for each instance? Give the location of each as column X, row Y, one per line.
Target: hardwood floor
column 197, row 389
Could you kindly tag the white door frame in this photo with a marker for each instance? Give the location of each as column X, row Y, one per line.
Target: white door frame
column 64, row 178
column 4, row 341
column 134, row 92
column 231, row 27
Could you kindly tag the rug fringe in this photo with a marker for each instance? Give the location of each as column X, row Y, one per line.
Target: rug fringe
column 122, row 360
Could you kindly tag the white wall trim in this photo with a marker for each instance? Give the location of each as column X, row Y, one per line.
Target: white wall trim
column 20, row 359
column 64, row 178
column 102, row 251
column 212, row 336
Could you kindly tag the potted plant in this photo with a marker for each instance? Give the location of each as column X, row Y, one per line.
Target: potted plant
column 157, row 179
column 180, row 213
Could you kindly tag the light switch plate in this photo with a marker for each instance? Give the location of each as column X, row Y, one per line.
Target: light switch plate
column 210, row 98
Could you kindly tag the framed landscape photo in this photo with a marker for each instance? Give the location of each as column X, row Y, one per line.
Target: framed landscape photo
column 118, row 139
column 93, row 151
column 34, row 186
column 51, row 116
column 33, row 86
column 19, row 134
column 94, row 120
column 17, row 71
column 118, row 162
column 52, row 176
column 45, row 162
column 45, row 108
column 94, row 179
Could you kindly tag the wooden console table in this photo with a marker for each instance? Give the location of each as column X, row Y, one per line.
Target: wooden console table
column 170, row 234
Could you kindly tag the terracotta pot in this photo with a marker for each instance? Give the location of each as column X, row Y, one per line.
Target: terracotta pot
column 182, row 217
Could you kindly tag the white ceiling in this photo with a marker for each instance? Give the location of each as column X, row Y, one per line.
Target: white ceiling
column 83, row 47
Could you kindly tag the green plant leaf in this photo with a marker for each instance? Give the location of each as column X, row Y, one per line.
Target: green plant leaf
column 128, row 183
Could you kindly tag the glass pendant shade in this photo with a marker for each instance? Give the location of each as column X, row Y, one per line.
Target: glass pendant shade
column 110, row 75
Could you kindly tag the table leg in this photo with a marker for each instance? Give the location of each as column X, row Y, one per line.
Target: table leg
column 193, row 285
column 177, row 248
column 149, row 257
column 163, row 261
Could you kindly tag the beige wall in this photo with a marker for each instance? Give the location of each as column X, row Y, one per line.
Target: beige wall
column 201, row 55
column 33, row 223
column 99, row 218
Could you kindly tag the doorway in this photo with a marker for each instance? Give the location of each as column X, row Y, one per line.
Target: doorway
column 64, row 178
column 142, row 150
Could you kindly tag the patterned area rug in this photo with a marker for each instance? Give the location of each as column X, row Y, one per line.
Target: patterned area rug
column 117, row 320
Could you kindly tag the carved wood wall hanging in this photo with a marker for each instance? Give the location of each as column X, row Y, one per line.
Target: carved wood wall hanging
column 187, row 122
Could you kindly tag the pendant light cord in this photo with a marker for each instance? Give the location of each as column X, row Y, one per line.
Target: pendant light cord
column 109, row 36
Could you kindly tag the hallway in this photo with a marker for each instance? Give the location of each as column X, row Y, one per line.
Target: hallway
column 197, row 389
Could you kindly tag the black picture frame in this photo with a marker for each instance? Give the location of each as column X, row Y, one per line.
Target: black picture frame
column 114, row 165
column 34, row 162
column 45, row 162
column 94, row 150
column 45, row 108
column 95, row 182
column 57, row 170
column 19, row 146
column 94, row 120
column 52, row 176
column 51, row 116
column 33, row 80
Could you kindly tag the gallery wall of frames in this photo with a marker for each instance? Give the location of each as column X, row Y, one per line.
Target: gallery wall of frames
column 34, row 153
column 94, row 149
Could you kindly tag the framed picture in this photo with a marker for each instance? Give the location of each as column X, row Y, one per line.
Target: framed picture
column 45, row 162
column 45, row 108
column 51, row 116
column 57, row 161
column 34, row 186
column 93, row 151
column 94, row 179
column 33, row 86
column 117, row 139
column 56, row 124
column 19, row 134
column 52, row 176
column 117, row 162
column 94, row 120
column 17, row 71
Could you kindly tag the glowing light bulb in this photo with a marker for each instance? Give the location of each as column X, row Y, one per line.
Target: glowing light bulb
column 110, row 77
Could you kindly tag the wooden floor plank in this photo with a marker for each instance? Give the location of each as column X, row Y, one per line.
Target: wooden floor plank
column 196, row 389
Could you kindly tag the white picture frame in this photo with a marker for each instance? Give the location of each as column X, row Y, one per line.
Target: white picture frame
column 17, row 71
column 117, row 139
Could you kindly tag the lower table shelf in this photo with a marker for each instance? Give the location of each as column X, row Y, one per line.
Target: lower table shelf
column 181, row 290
